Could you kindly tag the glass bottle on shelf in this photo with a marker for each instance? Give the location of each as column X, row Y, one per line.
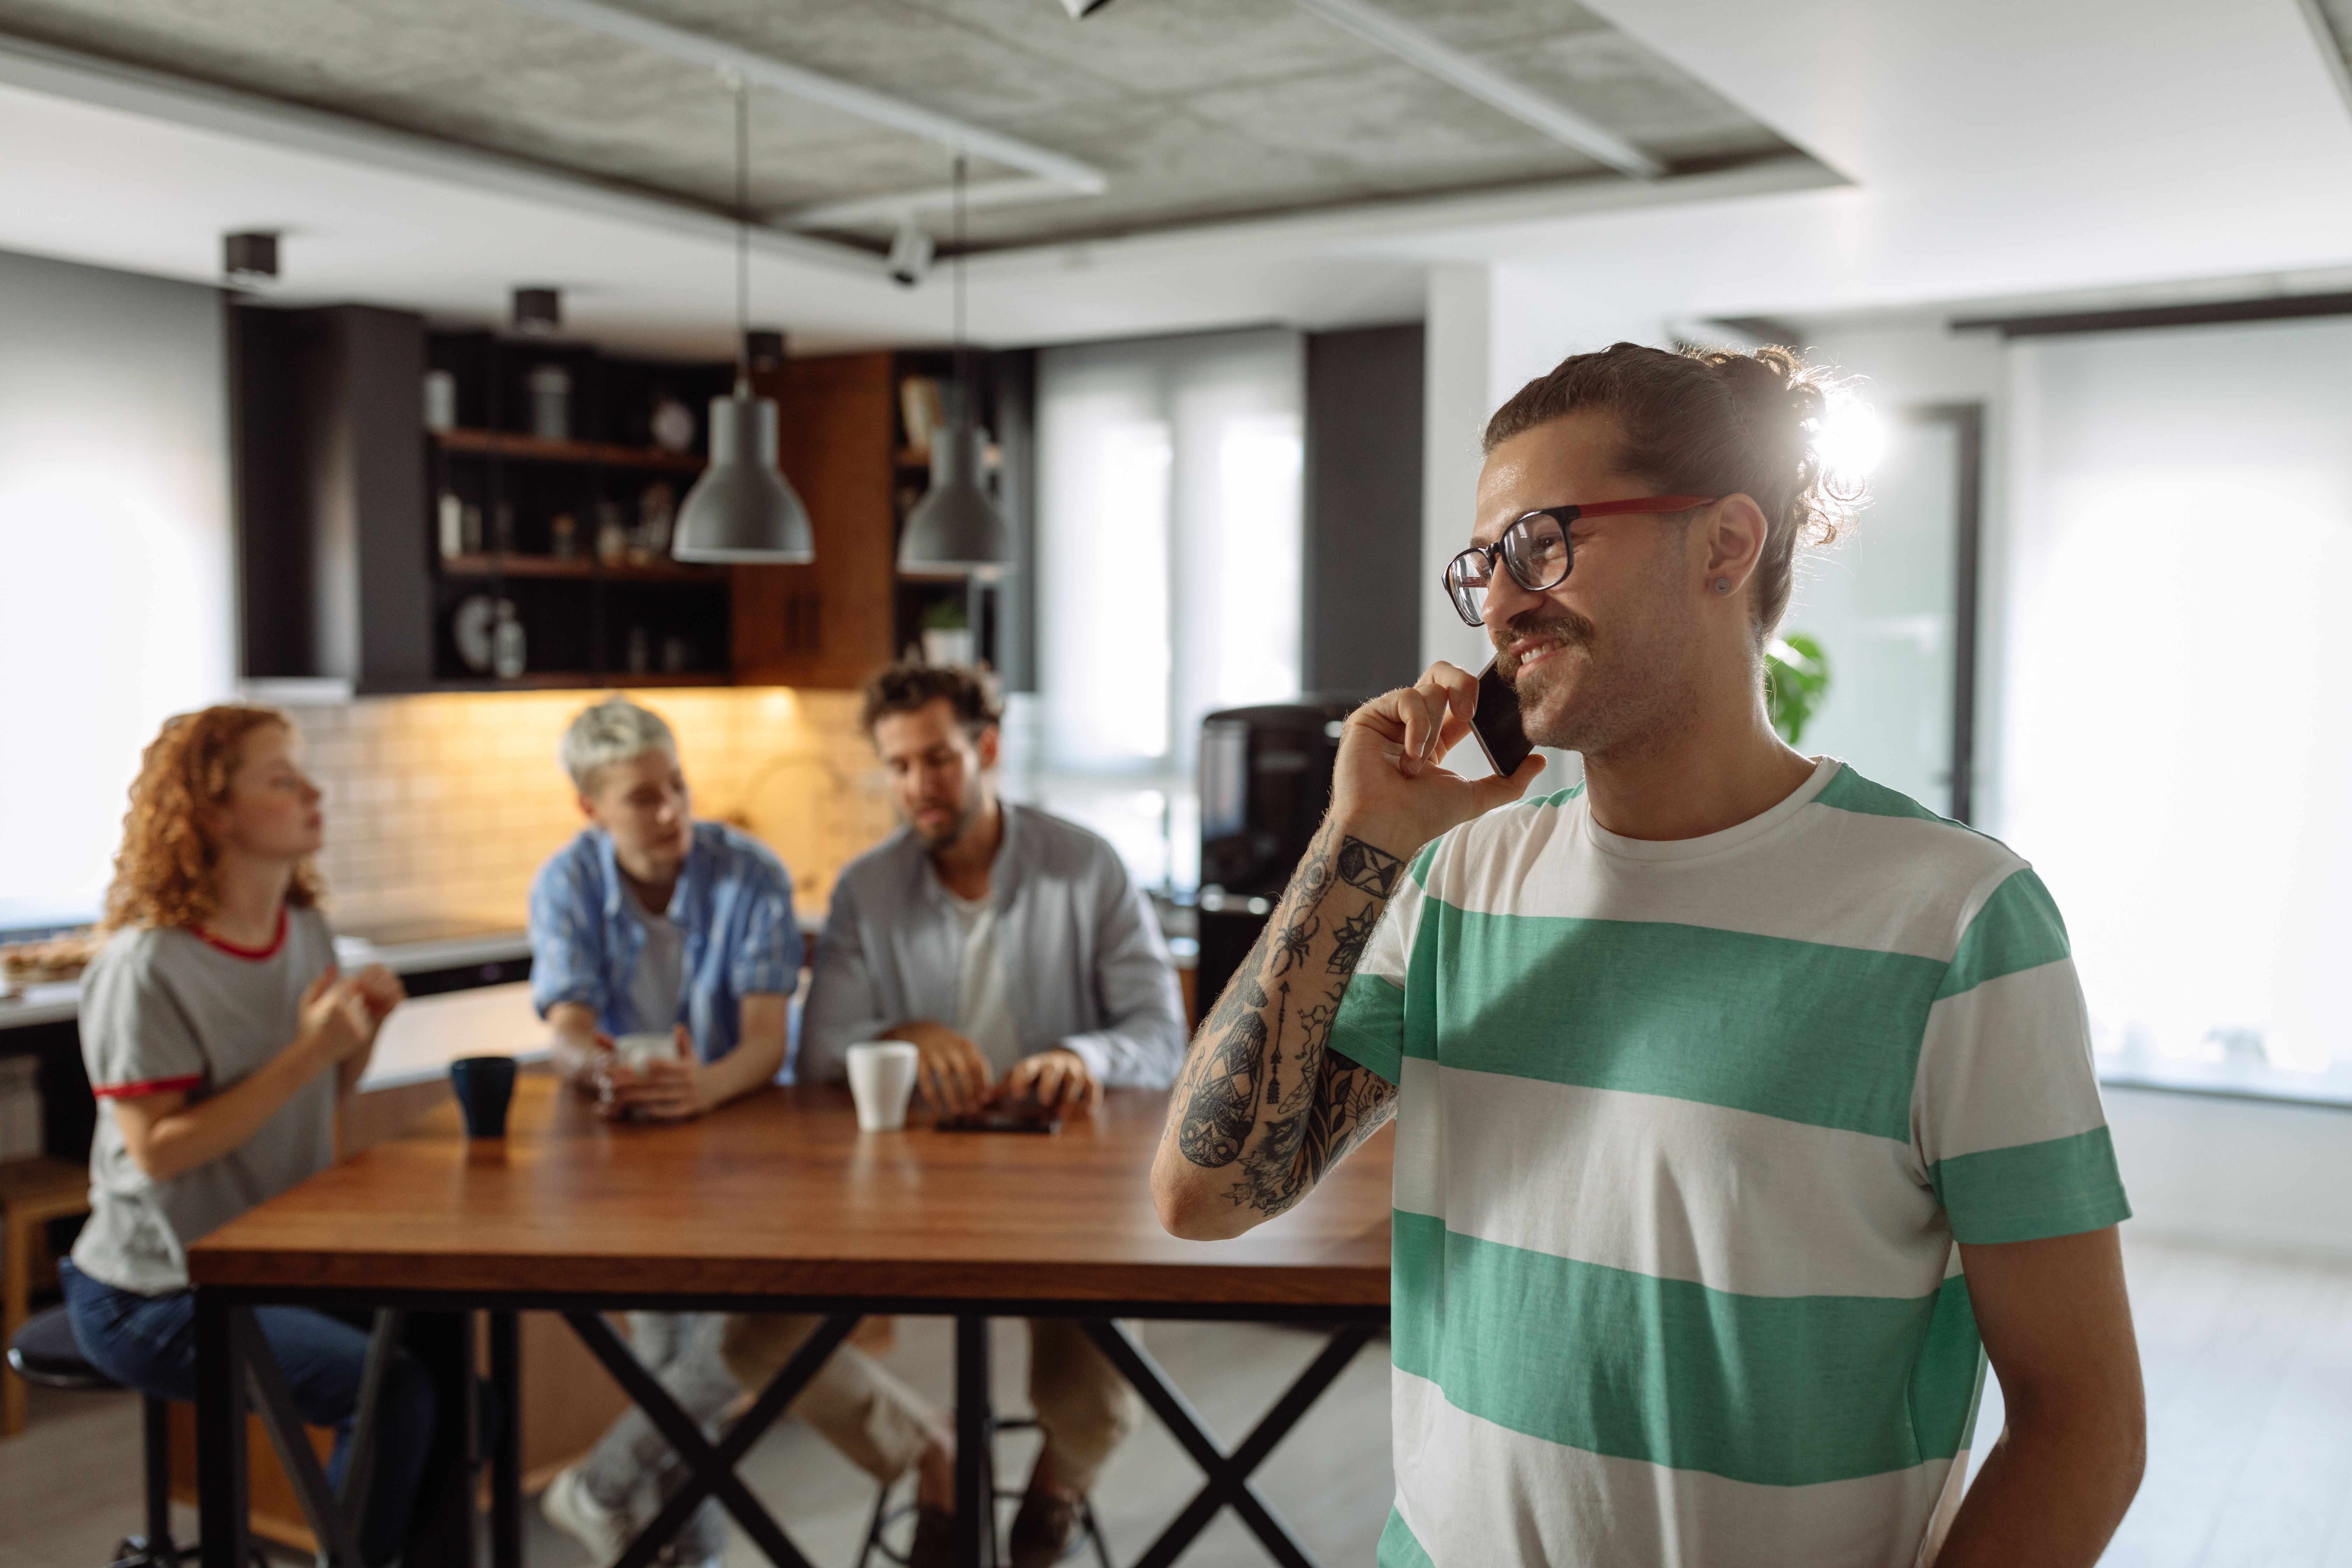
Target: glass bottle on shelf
column 506, row 643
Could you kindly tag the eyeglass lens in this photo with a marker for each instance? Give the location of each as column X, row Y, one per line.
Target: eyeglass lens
column 1536, row 552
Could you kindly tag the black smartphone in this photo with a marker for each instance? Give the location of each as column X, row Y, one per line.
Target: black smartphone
column 1495, row 722
column 999, row 1121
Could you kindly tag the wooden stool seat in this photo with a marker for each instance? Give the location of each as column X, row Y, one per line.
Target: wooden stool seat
column 32, row 1193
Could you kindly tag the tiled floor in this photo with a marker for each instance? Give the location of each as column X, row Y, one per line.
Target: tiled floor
column 2250, row 1414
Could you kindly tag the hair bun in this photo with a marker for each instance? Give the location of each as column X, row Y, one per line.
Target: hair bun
column 1780, row 401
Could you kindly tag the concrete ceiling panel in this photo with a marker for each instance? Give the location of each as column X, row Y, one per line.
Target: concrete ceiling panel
column 1197, row 108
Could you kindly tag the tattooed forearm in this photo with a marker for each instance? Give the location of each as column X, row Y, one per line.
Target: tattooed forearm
column 1260, row 1094
column 1223, row 1079
column 1351, row 1104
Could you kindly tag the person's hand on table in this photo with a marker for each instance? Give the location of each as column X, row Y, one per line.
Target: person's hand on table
column 950, row 1070
column 1055, row 1079
column 668, row 1089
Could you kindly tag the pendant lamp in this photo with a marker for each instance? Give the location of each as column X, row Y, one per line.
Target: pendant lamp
column 742, row 509
column 956, row 528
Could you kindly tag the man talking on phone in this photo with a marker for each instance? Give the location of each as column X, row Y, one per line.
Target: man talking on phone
column 1744, row 1106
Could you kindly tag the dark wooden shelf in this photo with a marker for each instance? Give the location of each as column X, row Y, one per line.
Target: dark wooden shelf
column 549, row 681
column 579, row 568
column 532, row 448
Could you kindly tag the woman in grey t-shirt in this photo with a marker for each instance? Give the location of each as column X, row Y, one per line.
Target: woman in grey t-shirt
column 220, row 1036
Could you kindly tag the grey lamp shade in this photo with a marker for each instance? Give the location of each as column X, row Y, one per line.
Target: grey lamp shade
column 742, row 509
column 956, row 528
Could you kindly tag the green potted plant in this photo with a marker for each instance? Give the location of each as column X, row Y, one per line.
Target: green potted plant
column 1796, row 683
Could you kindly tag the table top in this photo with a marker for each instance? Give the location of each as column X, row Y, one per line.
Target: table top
column 780, row 1194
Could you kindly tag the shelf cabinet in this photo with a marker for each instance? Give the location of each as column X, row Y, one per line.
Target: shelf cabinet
column 345, row 564
column 345, row 571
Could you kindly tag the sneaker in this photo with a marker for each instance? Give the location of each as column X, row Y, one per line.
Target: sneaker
column 604, row 1531
column 1043, row 1530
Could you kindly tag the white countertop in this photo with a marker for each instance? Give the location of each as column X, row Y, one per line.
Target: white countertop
column 426, row 1034
column 57, row 1004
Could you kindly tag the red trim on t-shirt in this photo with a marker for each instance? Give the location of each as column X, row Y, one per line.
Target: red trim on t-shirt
column 250, row 955
column 148, row 1086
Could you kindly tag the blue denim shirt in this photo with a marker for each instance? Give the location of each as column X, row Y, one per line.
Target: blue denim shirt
column 733, row 904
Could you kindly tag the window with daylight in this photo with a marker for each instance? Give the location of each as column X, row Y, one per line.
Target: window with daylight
column 2177, row 729
column 115, row 548
column 1168, row 569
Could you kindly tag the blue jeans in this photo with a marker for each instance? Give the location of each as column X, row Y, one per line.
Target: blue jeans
column 149, row 1343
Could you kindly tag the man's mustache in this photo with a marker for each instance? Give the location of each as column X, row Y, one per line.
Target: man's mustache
column 1572, row 629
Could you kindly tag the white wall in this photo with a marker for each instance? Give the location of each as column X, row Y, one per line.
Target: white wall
column 1489, row 330
column 116, row 557
column 2235, row 1173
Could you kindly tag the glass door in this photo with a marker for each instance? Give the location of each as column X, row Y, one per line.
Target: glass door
column 1894, row 609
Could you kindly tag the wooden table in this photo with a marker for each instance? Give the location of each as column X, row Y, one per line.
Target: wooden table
column 32, row 1193
column 777, row 1203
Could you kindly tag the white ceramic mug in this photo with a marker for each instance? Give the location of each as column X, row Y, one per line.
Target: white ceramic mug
column 882, row 1079
column 636, row 1051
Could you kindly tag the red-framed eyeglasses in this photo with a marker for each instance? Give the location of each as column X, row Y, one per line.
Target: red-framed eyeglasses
column 1537, row 551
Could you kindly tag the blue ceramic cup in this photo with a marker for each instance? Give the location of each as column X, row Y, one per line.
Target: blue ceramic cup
column 484, row 1086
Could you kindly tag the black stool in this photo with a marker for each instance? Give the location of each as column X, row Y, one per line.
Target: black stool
column 44, row 1355
column 885, row 1516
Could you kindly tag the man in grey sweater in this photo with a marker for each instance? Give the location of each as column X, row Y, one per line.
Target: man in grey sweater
column 1012, row 949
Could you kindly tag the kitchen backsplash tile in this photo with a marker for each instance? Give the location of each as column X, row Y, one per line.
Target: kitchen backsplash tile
column 442, row 806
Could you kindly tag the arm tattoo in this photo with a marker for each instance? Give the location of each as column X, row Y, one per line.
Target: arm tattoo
column 1237, row 1106
column 1291, row 942
column 1353, row 1104
column 1223, row 1106
column 1353, row 933
column 1373, row 870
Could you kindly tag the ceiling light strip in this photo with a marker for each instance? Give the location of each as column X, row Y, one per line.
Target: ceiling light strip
column 1417, row 48
column 766, row 70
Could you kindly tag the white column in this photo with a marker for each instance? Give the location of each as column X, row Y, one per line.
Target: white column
column 1456, row 400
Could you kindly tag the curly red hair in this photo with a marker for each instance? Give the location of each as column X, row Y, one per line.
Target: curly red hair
column 164, row 873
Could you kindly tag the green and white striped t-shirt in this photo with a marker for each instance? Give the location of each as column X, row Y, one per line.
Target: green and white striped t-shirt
column 1687, row 1136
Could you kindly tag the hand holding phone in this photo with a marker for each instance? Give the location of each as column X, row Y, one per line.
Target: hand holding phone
column 1390, row 789
column 1495, row 722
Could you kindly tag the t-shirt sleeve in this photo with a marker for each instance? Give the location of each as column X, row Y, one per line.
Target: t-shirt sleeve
column 567, row 936
column 136, row 1039
column 2005, row 1113
column 1369, row 1030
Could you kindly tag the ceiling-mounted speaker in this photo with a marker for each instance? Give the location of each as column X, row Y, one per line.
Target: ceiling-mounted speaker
column 251, row 257
column 1080, row 10
column 538, row 312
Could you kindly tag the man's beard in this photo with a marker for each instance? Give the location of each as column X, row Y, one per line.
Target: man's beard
column 945, row 834
column 1600, row 694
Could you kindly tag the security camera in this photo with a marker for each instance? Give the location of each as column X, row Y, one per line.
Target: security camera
column 910, row 253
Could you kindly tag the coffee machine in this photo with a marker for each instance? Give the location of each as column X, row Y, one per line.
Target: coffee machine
column 1265, row 781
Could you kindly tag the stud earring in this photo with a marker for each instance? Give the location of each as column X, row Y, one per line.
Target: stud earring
column 1723, row 584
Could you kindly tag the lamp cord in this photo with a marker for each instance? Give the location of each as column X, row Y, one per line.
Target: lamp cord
column 742, row 231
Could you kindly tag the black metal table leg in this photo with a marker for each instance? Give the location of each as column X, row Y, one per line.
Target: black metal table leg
column 1228, row 1473
column 220, row 1434
column 337, row 1532
column 975, row 1510
column 505, row 1452
column 710, row 1470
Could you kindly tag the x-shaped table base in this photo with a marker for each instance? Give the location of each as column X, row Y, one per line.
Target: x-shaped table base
column 710, row 1467
column 1229, row 1474
column 333, row 1515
